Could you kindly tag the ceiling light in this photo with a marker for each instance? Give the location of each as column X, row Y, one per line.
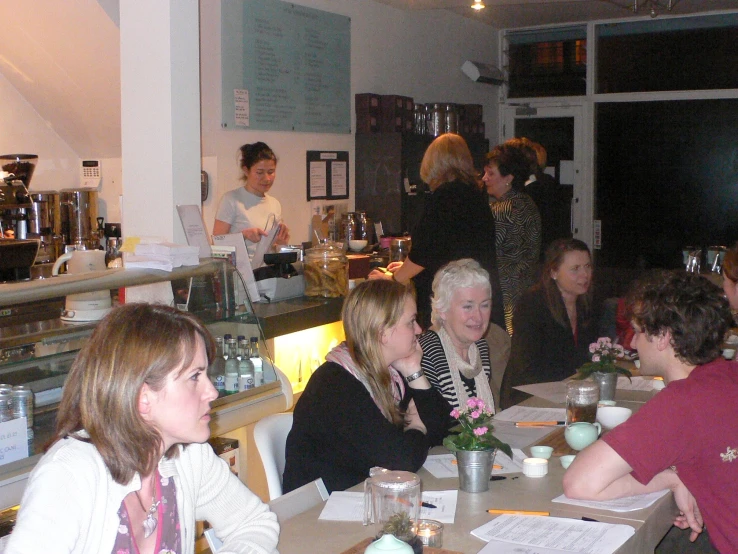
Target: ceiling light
column 652, row 7
column 477, row 5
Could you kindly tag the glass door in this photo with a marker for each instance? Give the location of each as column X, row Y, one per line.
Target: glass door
column 560, row 131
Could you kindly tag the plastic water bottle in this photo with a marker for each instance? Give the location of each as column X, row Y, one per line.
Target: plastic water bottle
column 257, row 363
column 231, row 366
column 245, row 367
column 217, row 368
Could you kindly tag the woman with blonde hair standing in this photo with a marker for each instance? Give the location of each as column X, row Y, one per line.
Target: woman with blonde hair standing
column 369, row 404
column 456, row 223
column 130, row 469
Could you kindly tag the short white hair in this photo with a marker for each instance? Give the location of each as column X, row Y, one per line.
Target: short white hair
column 459, row 274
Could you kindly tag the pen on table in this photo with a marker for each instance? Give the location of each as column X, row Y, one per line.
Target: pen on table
column 518, row 512
column 539, row 423
column 497, row 478
column 428, row 505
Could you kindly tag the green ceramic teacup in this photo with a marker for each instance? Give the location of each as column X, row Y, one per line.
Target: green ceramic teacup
column 581, row 434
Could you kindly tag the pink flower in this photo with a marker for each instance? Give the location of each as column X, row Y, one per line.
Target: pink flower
column 479, row 431
column 472, row 402
column 455, row 413
column 474, row 414
column 593, row 347
column 596, row 358
column 481, row 406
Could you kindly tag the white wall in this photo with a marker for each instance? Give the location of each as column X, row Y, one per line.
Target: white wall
column 417, row 54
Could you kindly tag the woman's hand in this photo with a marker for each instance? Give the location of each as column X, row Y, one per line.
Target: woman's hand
column 253, row 234
column 412, row 419
column 410, row 364
column 283, row 235
column 380, row 274
column 394, row 266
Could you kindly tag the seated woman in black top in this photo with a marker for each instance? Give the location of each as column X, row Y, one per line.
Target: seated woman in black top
column 554, row 322
column 455, row 354
column 369, row 404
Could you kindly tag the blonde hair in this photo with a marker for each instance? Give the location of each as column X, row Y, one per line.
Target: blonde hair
column 134, row 344
column 371, row 308
column 448, row 159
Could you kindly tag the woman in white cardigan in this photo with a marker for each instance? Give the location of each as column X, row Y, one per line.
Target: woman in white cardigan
column 129, row 470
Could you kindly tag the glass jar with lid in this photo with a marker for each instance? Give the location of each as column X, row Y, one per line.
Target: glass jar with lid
column 326, row 271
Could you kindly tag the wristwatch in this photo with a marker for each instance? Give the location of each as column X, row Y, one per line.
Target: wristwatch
column 417, row 375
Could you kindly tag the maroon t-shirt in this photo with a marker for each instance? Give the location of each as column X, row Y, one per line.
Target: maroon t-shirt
column 693, row 425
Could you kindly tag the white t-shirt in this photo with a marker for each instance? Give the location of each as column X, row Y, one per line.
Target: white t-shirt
column 244, row 210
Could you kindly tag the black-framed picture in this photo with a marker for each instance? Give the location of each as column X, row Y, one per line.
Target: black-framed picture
column 327, row 174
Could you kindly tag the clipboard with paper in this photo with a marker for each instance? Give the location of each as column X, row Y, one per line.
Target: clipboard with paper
column 272, row 228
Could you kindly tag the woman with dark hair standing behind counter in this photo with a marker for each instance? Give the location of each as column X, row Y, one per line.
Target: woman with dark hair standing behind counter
column 247, row 209
column 554, row 322
column 517, row 223
column 457, row 223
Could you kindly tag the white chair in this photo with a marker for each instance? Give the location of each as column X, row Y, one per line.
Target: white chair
column 270, row 436
column 285, row 506
column 297, row 501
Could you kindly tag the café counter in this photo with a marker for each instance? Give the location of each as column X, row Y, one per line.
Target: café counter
column 37, row 347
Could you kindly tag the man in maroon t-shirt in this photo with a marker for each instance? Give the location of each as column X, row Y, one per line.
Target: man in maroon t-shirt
column 686, row 437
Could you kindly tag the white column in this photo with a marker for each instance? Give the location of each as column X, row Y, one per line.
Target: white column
column 160, row 114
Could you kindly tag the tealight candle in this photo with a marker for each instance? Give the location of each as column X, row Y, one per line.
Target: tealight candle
column 430, row 532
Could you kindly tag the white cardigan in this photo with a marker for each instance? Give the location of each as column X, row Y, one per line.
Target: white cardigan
column 71, row 503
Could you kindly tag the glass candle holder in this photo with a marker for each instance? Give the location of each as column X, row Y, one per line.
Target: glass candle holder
column 430, row 532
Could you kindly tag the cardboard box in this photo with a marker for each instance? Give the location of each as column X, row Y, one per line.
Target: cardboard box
column 228, row 450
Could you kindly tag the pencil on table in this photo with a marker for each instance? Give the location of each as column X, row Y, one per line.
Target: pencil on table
column 539, row 423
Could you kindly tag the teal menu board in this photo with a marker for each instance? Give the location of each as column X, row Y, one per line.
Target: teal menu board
column 285, row 67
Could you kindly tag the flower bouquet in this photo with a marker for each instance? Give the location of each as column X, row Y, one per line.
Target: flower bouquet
column 474, row 430
column 604, row 355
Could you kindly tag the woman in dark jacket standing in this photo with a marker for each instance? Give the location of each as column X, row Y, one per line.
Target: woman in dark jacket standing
column 457, row 223
column 554, row 322
column 517, row 222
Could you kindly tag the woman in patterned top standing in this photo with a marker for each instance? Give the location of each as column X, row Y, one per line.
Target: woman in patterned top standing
column 517, row 223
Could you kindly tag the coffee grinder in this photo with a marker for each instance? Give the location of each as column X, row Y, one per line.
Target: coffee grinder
column 17, row 170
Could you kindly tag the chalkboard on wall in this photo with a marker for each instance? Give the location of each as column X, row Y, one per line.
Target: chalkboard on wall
column 285, row 67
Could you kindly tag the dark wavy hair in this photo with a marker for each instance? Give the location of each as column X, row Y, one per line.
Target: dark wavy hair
column 511, row 159
column 250, row 154
column 693, row 309
column 553, row 259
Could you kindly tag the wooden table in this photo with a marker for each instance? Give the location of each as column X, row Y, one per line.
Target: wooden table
column 305, row 532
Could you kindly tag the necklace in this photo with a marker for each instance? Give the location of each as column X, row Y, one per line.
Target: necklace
column 150, row 522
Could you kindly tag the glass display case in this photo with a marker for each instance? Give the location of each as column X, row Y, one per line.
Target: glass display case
column 37, row 347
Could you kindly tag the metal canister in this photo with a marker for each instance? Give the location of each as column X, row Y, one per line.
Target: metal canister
column 452, row 118
column 6, row 403
column 438, row 120
column 23, row 404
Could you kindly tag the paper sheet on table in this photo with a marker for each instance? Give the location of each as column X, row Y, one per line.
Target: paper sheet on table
column 443, row 466
column 349, row 506
column 520, row 437
column 554, row 392
column 638, row 383
column 627, row 504
column 552, row 534
column 528, row 413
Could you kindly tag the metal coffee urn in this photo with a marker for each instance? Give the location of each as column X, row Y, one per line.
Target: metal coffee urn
column 79, row 218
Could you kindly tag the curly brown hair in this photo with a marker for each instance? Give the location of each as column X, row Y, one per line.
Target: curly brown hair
column 693, row 309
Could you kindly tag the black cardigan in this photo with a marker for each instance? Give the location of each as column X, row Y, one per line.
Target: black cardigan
column 542, row 350
column 339, row 433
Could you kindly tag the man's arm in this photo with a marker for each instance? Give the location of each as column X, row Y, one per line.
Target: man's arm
column 600, row 473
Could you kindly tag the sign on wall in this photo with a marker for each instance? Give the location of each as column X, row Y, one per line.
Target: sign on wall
column 285, row 67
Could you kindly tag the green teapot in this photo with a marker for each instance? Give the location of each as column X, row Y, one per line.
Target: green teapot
column 580, row 435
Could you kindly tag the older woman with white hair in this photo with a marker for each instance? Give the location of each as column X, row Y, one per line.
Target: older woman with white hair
column 456, row 357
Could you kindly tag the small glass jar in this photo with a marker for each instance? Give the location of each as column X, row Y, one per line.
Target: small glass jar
column 326, row 271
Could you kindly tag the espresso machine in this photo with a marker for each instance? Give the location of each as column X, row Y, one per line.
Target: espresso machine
column 15, row 201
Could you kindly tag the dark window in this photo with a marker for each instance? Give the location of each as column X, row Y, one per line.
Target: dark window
column 547, row 63
column 668, row 54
